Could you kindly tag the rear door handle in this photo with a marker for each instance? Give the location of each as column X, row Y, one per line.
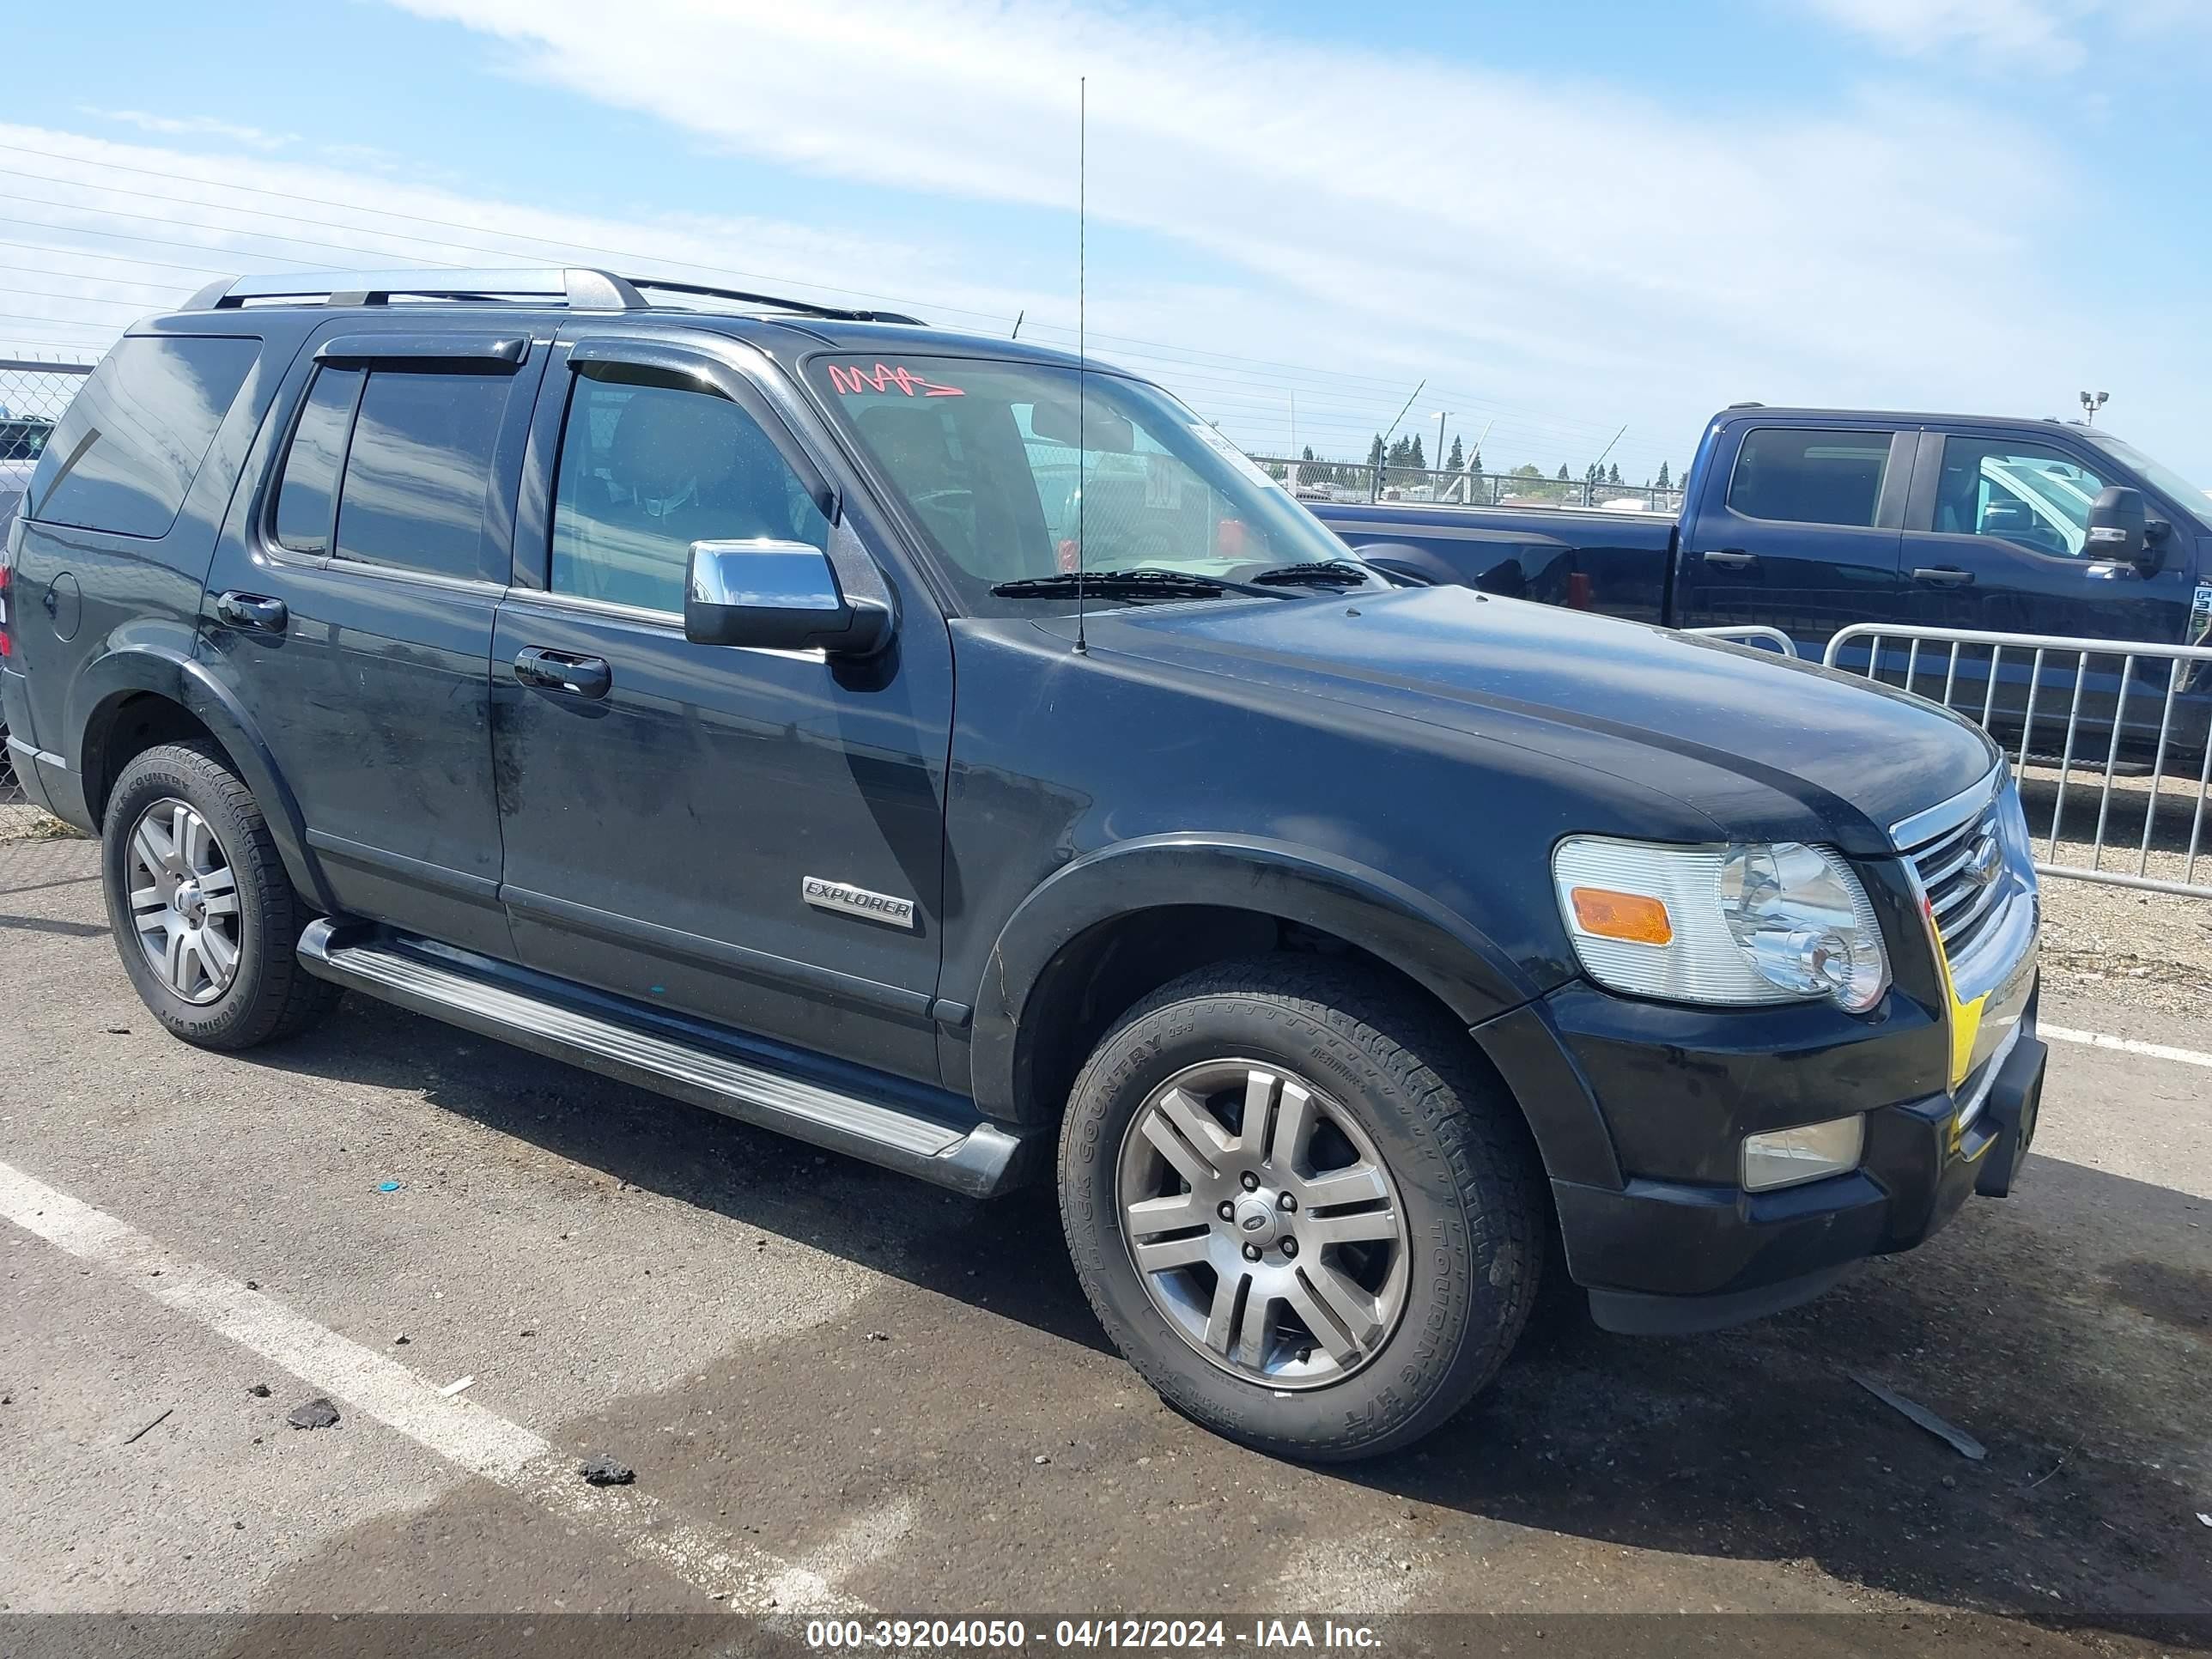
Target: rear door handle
column 1944, row 576
column 559, row 671
column 253, row 610
column 1729, row 558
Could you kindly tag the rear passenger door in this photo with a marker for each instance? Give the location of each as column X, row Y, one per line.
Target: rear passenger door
column 1799, row 528
column 350, row 613
column 665, row 804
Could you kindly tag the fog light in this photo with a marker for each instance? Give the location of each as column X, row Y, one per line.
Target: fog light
column 1785, row 1158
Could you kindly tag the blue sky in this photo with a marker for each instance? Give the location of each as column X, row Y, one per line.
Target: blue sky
column 1568, row 219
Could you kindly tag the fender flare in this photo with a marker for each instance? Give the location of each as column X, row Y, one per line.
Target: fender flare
column 1395, row 922
column 163, row 669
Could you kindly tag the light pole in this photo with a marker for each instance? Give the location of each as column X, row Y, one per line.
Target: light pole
column 1437, row 462
column 2090, row 406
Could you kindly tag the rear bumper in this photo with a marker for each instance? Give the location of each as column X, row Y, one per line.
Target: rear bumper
column 1661, row 1253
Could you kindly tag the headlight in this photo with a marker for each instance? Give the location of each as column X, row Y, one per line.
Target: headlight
column 1761, row 923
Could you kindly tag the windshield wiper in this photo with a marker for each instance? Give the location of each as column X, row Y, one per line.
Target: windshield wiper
column 1318, row 573
column 1118, row 584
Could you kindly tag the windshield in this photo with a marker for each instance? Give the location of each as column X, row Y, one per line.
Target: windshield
column 2160, row 476
column 986, row 454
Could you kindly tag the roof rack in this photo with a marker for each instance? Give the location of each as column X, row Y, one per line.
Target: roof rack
column 578, row 287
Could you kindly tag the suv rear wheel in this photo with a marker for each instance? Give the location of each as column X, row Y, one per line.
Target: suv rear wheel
column 1301, row 1209
column 205, row 916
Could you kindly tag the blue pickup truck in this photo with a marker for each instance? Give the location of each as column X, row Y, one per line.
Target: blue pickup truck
column 1810, row 520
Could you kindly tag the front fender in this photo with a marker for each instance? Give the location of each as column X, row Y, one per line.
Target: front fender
column 1444, row 951
column 160, row 664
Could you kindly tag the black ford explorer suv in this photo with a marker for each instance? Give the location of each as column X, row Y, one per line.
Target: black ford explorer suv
column 696, row 686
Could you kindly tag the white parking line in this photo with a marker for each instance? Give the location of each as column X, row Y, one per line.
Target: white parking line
column 743, row 1577
column 2124, row 1045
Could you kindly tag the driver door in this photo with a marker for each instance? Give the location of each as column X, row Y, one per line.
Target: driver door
column 665, row 804
column 1996, row 540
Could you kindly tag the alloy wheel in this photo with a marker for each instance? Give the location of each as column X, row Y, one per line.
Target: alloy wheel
column 1263, row 1224
column 184, row 900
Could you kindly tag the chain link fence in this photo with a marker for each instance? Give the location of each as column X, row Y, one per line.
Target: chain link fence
column 33, row 395
column 1355, row 481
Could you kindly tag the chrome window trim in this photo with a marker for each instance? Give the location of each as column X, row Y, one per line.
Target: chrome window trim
column 1946, row 816
column 664, row 621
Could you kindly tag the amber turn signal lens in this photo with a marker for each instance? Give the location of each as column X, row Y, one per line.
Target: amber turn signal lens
column 1629, row 917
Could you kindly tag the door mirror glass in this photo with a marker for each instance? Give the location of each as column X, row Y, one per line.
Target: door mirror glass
column 777, row 594
column 2119, row 528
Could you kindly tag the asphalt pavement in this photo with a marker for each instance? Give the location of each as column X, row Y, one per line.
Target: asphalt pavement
column 840, row 1390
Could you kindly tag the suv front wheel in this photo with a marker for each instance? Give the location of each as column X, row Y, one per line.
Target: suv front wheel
column 206, row 917
column 1300, row 1206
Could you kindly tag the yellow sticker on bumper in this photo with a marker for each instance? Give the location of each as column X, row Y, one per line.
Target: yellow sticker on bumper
column 1965, row 1017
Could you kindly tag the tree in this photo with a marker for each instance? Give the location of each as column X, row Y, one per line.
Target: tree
column 1613, row 473
column 1665, row 483
column 1458, row 461
column 1309, row 455
column 1413, row 457
column 1375, row 454
column 1563, row 472
column 1474, row 462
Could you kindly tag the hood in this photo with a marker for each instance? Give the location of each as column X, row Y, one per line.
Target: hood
column 1761, row 745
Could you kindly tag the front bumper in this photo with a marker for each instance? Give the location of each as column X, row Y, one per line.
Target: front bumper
column 1676, row 1244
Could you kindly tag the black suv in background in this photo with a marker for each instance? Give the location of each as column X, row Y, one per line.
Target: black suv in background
column 957, row 754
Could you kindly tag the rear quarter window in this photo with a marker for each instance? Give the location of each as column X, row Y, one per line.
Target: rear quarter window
column 125, row 454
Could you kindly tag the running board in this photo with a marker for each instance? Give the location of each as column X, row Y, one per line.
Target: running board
column 533, row 1011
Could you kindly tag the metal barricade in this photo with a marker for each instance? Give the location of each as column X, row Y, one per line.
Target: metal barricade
column 2117, row 708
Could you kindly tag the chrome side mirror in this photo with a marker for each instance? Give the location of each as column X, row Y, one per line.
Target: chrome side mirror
column 781, row 595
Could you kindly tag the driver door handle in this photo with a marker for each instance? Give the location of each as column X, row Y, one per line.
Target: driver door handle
column 251, row 610
column 1944, row 576
column 560, row 671
column 1729, row 558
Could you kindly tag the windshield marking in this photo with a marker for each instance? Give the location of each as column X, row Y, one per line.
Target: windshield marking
column 883, row 378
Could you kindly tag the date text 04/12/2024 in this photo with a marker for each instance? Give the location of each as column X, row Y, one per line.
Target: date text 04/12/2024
column 1162, row 1635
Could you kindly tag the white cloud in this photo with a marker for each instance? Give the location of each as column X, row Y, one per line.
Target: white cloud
column 194, row 126
column 2047, row 36
column 1410, row 215
column 1558, row 255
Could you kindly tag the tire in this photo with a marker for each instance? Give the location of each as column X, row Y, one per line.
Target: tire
column 1434, row 1310
column 230, row 878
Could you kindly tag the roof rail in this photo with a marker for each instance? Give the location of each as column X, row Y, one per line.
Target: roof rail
column 580, row 288
column 805, row 308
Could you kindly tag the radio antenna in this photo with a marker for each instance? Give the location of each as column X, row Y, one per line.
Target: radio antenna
column 1082, row 353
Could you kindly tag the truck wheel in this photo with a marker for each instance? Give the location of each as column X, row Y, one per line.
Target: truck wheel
column 205, row 918
column 1302, row 1210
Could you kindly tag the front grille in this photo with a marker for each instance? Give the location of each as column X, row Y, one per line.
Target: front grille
column 1964, row 875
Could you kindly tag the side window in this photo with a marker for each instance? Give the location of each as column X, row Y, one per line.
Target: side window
column 418, row 472
column 1802, row 476
column 2027, row 494
column 127, row 451
column 308, row 488
column 652, row 461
